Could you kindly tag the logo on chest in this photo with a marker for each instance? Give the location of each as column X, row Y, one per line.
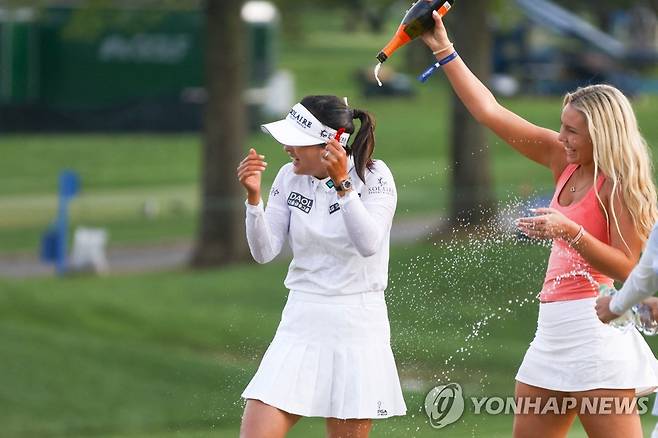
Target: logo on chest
column 298, row 201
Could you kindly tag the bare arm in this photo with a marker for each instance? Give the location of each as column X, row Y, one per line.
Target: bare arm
column 539, row 144
column 618, row 259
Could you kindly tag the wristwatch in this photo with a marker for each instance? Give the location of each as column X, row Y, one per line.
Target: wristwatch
column 344, row 185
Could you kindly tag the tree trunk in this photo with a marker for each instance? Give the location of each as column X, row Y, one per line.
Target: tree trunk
column 472, row 198
column 220, row 237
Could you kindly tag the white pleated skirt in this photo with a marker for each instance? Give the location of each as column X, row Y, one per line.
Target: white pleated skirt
column 331, row 357
column 574, row 351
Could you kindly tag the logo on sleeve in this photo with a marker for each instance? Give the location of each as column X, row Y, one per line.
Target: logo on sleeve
column 382, row 188
column 334, row 208
column 301, row 202
column 275, row 191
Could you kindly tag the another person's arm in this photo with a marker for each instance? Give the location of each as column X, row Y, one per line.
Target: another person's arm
column 641, row 284
column 267, row 228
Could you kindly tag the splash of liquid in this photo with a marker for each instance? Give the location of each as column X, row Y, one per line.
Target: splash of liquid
column 416, row 289
column 377, row 68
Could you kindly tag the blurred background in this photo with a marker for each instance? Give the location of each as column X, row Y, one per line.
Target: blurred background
column 129, row 305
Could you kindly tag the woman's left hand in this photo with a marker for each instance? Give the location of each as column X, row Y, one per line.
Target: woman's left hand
column 334, row 160
column 603, row 309
column 548, row 224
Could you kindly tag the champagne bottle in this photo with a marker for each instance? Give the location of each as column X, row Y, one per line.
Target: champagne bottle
column 646, row 324
column 415, row 22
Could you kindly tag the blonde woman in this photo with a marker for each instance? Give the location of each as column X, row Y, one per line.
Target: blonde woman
column 602, row 211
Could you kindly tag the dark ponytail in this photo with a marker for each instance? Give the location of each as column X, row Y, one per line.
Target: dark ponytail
column 364, row 144
column 333, row 112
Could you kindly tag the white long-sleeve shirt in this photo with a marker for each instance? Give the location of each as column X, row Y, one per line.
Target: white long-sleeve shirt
column 340, row 245
column 643, row 280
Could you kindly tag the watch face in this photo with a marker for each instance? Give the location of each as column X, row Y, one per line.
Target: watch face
column 345, row 185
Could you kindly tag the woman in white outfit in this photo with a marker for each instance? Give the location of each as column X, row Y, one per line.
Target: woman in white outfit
column 639, row 287
column 599, row 218
column 331, row 355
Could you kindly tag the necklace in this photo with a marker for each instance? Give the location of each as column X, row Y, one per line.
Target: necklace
column 572, row 189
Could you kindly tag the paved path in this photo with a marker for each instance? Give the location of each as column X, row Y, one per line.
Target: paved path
column 157, row 257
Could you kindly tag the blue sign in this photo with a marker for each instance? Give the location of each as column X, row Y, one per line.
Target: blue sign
column 53, row 240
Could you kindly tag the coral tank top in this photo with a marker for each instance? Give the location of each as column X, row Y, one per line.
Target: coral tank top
column 569, row 276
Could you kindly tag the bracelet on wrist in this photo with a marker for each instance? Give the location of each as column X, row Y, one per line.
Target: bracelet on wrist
column 578, row 236
column 449, row 46
column 434, row 67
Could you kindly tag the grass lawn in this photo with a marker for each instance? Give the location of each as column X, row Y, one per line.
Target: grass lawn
column 168, row 355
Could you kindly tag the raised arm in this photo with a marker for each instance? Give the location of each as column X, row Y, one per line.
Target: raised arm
column 539, row 144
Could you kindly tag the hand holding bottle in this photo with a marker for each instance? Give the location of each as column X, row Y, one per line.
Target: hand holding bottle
column 652, row 304
column 249, row 174
column 647, row 312
column 437, row 38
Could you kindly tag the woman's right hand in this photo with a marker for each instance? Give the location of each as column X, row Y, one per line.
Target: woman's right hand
column 249, row 174
column 437, row 38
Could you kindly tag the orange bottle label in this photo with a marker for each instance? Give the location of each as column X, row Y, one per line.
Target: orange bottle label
column 444, row 9
column 399, row 39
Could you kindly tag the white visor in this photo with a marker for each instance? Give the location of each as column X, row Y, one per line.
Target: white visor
column 301, row 128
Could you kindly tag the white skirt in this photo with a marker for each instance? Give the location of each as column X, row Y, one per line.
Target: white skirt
column 331, row 357
column 574, row 351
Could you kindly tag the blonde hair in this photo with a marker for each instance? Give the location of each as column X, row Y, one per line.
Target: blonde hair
column 620, row 152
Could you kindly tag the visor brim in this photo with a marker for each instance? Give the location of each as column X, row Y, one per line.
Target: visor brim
column 288, row 134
